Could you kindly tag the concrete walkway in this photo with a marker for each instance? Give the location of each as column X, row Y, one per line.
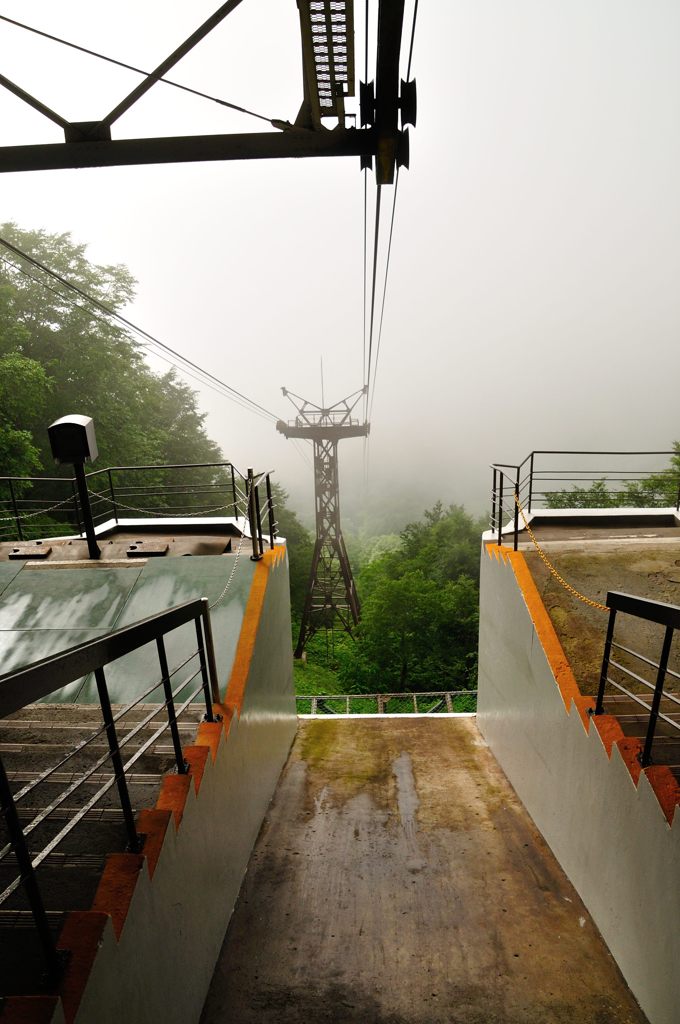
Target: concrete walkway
column 398, row 880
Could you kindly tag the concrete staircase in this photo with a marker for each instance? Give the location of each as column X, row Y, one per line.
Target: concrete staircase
column 32, row 741
column 634, row 720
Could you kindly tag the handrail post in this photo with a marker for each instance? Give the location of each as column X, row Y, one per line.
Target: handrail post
column 113, row 496
column 531, row 481
column 250, row 495
column 500, row 508
column 28, row 877
column 233, row 491
column 258, row 518
column 599, row 706
column 494, row 484
column 516, row 530
column 135, row 840
column 182, row 767
column 656, row 699
column 270, row 503
column 16, row 509
column 209, row 652
column 677, row 503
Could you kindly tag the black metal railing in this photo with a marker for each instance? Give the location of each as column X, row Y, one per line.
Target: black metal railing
column 44, row 507
column 434, row 703
column 581, row 480
column 37, row 681
column 649, row 694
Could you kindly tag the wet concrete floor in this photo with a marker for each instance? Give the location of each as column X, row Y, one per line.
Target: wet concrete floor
column 398, row 880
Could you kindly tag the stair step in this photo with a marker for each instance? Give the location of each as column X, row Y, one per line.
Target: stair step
column 67, row 882
column 22, row 965
column 26, row 730
column 96, row 837
column 88, row 713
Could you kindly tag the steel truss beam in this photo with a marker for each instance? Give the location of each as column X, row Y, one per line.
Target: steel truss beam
column 189, row 149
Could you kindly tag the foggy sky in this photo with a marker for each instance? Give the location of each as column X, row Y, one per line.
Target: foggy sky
column 533, row 297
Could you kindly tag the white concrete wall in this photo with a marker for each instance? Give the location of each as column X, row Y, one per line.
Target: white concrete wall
column 611, row 837
column 159, row 971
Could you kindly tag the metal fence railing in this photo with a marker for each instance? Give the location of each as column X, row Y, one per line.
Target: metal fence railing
column 434, row 703
column 581, row 480
column 175, row 691
column 32, row 507
column 652, row 686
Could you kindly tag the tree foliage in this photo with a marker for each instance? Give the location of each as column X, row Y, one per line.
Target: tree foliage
column 658, row 490
column 23, row 385
column 300, row 548
column 419, row 621
column 87, row 363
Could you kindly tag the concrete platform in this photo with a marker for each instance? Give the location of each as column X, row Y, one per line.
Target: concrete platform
column 398, row 880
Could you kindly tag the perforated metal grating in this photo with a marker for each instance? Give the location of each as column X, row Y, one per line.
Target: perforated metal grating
column 328, row 49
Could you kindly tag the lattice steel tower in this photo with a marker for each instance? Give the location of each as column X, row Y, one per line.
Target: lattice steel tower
column 331, row 594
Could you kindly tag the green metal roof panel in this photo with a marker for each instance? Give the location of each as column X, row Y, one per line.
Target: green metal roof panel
column 8, row 571
column 66, row 598
column 43, row 611
column 162, row 585
column 19, row 647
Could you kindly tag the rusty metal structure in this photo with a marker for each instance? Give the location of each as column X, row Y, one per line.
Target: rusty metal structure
column 327, row 35
column 331, row 598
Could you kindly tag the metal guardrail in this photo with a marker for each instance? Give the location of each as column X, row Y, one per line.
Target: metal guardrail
column 433, row 703
column 667, row 615
column 579, row 479
column 44, row 677
column 32, row 507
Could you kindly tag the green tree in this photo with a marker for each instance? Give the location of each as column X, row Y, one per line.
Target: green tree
column 415, row 634
column 300, row 548
column 419, row 620
column 24, row 389
column 91, row 364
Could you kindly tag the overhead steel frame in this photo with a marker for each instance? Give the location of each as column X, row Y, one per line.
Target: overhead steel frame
column 89, row 144
column 331, row 592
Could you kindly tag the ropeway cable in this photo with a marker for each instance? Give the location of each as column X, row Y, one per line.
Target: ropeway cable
column 137, row 330
column 138, row 71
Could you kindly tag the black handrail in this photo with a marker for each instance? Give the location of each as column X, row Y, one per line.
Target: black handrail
column 667, row 615
column 36, row 681
column 526, row 481
column 115, row 497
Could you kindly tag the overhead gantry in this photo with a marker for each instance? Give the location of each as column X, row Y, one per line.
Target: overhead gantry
column 327, row 32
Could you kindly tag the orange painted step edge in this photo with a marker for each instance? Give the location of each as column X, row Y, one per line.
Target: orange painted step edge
column 119, row 878
column 82, row 936
column 662, row 780
column 238, row 679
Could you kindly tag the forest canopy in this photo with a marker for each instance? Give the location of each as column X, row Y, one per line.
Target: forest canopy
column 60, row 356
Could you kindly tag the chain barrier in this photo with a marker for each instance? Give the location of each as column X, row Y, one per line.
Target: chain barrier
column 220, row 598
column 551, row 568
column 40, row 512
column 134, row 508
column 156, row 512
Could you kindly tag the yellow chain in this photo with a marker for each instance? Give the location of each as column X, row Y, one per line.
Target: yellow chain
column 553, row 570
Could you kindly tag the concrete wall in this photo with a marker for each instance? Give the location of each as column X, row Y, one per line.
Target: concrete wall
column 145, row 953
column 607, row 828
